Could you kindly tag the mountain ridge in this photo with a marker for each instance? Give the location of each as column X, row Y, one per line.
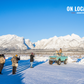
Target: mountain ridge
column 67, row 42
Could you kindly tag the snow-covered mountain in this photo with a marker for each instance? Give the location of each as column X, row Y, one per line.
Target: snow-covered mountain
column 66, row 42
column 29, row 43
column 14, row 42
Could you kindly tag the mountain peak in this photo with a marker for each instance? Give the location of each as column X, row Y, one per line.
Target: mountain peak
column 75, row 36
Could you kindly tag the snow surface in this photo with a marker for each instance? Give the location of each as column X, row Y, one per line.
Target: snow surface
column 54, row 74
column 42, row 73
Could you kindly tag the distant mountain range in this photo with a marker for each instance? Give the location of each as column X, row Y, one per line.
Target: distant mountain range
column 12, row 42
column 65, row 42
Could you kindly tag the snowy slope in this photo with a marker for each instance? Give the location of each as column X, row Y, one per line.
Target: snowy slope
column 73, row 41
column 29, row 43
column 13, row 42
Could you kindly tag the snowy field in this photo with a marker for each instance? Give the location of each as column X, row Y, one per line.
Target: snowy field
column 43, row 73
